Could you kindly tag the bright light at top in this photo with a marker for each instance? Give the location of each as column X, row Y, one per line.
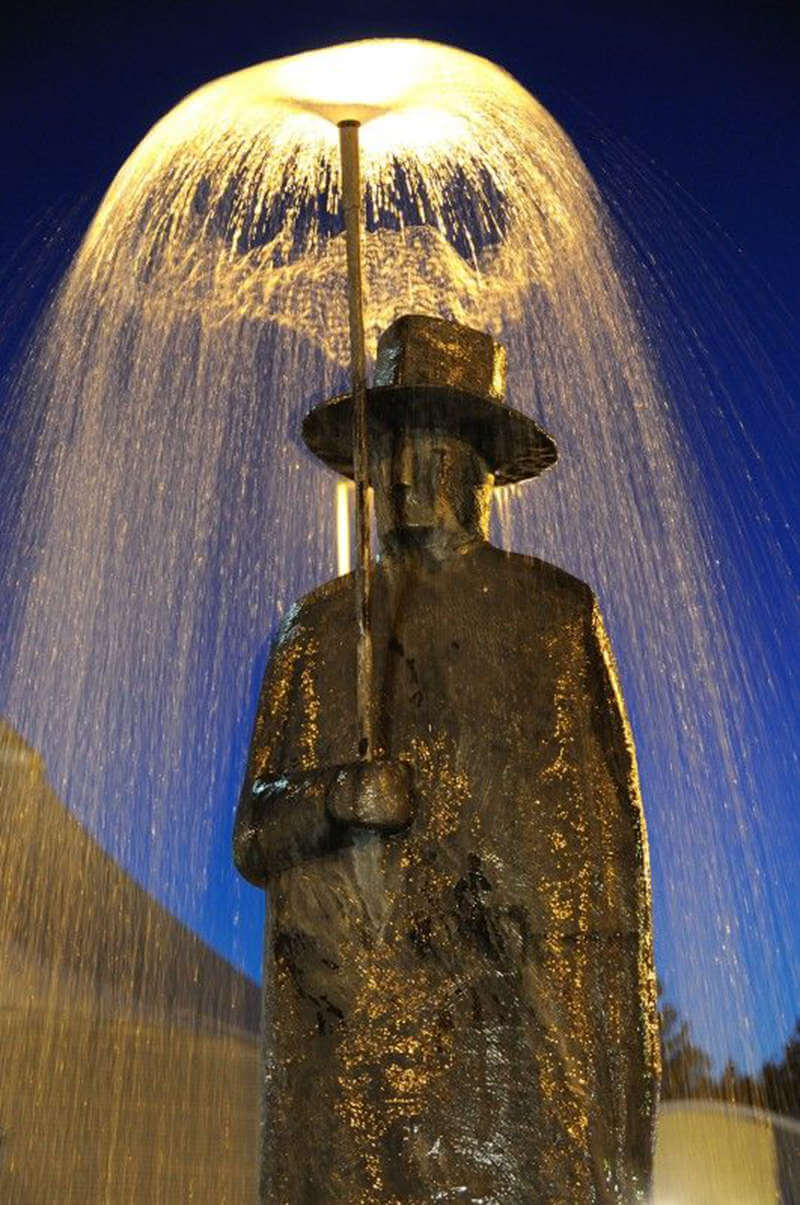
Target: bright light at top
column 359, row 81
column 405, row 93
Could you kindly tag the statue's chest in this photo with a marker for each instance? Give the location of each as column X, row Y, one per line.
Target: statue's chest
column 456, row 668
column 486, row 692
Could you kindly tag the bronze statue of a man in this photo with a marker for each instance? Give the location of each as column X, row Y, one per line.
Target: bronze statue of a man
column 459, row 992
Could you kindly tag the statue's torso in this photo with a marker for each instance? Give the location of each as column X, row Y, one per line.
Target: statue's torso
column 465, row 1005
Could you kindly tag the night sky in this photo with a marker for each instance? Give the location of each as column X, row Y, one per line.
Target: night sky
column 704, row 101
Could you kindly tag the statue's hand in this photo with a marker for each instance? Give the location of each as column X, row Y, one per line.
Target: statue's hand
column 373, row 794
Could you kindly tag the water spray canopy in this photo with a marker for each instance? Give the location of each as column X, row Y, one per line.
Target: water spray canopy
column 431, row 373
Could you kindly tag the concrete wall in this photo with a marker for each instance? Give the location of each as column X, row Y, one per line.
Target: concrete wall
column 715, row 1154
column 109, row 1109
column 128, row 1048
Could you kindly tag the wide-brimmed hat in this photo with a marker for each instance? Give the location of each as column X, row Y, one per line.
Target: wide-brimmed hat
column 436, row 374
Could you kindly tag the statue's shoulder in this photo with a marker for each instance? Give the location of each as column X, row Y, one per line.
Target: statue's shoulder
column 317, row 606
column 530, row 573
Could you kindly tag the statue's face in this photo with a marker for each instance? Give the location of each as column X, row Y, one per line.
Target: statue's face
column 428, row 483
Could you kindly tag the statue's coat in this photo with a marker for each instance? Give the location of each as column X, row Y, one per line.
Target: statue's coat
column 464, row 1011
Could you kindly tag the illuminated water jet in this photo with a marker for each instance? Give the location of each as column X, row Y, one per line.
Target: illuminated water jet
column 229, row 203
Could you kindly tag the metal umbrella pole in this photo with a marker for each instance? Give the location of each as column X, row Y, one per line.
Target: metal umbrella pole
column 351, row 203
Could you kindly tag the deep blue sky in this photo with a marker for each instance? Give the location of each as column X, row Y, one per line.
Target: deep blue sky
column 710, row 96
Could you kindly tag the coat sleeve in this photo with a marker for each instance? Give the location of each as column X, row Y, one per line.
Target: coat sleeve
column 630, row 972
column 281, row 818
column 614, row 739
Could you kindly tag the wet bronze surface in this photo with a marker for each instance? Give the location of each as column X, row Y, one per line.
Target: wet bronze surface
column 470, row 1001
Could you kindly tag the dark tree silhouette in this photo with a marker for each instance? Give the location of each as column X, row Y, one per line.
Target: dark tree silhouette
column 781, row 1081
column 686, row 1070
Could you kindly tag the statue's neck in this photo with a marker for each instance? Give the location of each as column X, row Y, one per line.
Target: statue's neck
column 435, row 544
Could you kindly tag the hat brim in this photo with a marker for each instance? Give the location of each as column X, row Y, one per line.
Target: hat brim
column 513, row 446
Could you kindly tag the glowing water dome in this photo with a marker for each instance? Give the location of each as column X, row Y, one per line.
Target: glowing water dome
column 230, row 202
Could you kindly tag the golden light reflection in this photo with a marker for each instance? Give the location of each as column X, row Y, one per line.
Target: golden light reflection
column 344, row 500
